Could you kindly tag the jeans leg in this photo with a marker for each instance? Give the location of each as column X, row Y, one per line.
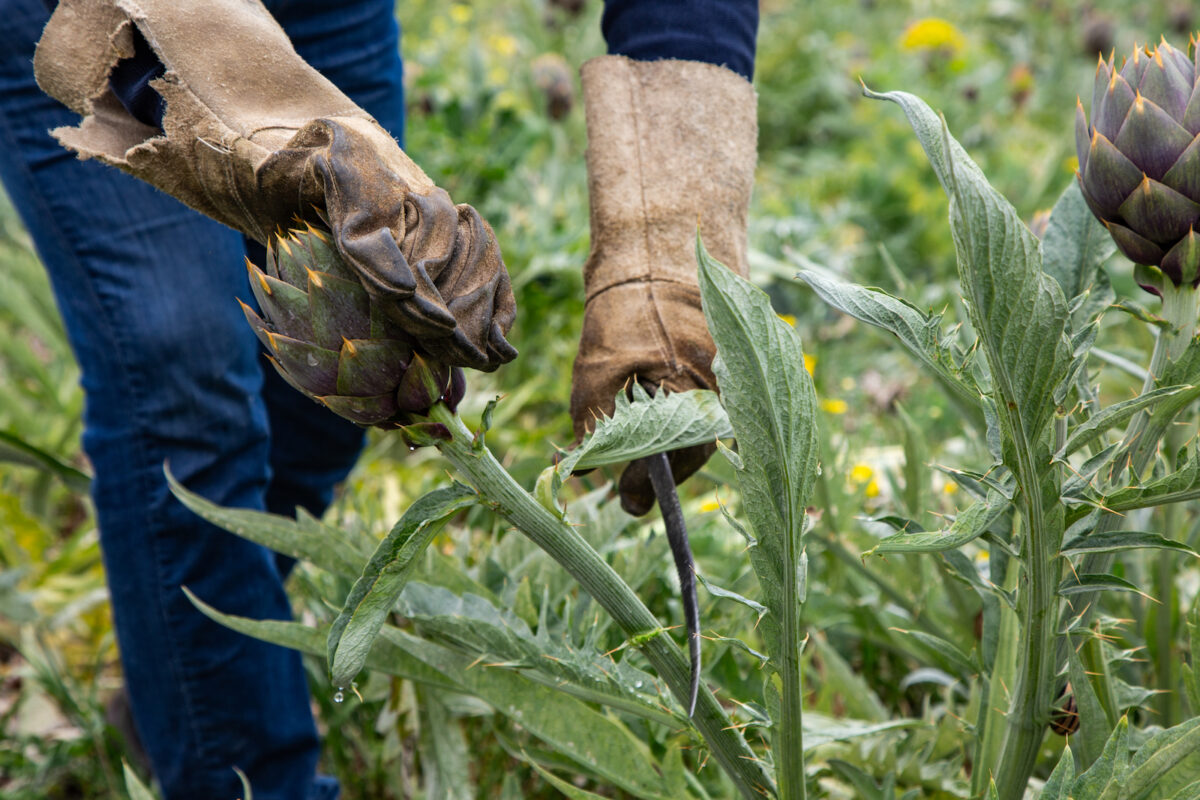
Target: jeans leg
column 171, row 373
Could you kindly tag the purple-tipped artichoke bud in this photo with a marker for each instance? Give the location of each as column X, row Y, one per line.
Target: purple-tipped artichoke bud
column 329, row 339
column 1139, row 160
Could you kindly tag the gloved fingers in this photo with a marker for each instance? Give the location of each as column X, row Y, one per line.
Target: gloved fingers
column 437, row 266
column 635, row 489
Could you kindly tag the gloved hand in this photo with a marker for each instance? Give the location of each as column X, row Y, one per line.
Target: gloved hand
column 671, row 145
column 253, row 136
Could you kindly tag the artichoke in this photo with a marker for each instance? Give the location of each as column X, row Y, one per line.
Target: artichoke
column 334, row 342
column 1139, row 160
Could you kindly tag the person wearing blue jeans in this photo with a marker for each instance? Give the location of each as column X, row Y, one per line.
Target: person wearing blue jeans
column 171, row 372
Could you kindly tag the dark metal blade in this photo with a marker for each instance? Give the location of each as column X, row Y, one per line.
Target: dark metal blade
column 668, row 502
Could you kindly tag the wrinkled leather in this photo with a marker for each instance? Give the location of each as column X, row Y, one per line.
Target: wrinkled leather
column 254, row 137
column 671, row 145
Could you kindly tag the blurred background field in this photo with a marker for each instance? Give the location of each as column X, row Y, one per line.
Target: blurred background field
column 495, row 117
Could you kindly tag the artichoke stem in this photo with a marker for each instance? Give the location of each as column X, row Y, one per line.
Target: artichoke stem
column 474, row 462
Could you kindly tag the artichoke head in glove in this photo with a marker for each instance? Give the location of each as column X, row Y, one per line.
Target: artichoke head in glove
column 334, row 341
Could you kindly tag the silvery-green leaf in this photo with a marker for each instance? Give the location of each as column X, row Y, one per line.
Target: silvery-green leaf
column 278, row 533
column 1017, row 310
column 1165, row 764
column 967, row 526
column 133, row 786
column 1113, row 541
column 1086, row 582
column 1058, row 785
column 918, row 332
column 383, row 578
column 1094, row 725
column 445, row 756
column 648, row 425
column 772, row 407
column 1109, row 769
column 1114, row 415
column 1075, row 244
column 1176, row 487
column 820, row 729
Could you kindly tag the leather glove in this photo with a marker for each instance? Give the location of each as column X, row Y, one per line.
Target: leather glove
column 253, row 136
column 671, row 144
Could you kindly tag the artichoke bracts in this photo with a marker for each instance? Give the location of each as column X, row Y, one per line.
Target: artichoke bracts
column 1139, row 160
column 332, row 341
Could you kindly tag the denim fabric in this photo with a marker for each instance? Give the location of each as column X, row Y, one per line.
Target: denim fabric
column 721, row 32
column 172, row 373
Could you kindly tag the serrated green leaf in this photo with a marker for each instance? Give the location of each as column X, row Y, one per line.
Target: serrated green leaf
column 375, row 592
column 772, row 407
column 1079, row 584
column 918, row 332
column 1018, row 312
column 1114, row 415
column 569, row 790
column 133, row 786
column 1104, row 777
column 948, row 654
column 277, row 533
column 597, row 743
column 648, row 425
column 1167, row 762
column 1177, row 487
column 445, row 760
column 1094, row 725
column 480, row 629
column 967, row 526
column 1076, row 244
column 725, row 594
column 1113, row 541
column 1058, row 785
column 820, row 729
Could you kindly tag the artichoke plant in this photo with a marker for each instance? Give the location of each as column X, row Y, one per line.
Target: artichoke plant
column 334, row 342
column 1139, row 160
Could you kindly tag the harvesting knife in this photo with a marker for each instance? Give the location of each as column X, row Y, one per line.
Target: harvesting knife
column 668, row 502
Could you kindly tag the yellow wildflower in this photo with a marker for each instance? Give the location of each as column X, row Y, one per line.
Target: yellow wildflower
column 790, row 319
column 709, row 505
column 502, row 44
column 861, row 473
column 460, row 13
column 810, row 362
column 835, row 406
column 872, row 489
column 950, row 488
column 934, row 34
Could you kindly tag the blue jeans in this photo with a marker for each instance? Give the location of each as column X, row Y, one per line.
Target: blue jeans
column 172, row 373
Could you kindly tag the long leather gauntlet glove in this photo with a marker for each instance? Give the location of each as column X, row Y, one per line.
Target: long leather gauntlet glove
column 253, row 136
column 671, row 144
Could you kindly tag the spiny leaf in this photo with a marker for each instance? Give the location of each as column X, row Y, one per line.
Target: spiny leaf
column 1112, row 416
column 1113, row 541
column 967, row 526
column 376, row 590
column 918, row 332
column 1018, row 311
column 645, row 426
column 278, row 533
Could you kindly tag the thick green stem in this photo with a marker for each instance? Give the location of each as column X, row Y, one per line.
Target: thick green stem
column 788, row 733
column 1036, row 664
column 563, row 543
